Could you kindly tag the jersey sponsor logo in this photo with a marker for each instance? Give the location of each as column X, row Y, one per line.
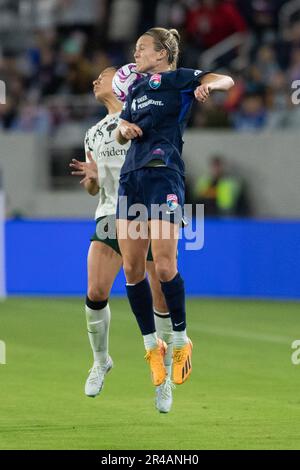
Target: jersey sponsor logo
column 133, row 105
column 113, row 153
column 172, row 202
column 144, row 102
column 142, row 99
column 155, row 81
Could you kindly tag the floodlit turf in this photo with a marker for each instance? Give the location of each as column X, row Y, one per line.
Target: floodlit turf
column 244, row 392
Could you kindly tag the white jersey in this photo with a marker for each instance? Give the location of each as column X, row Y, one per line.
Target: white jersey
column 109, row 155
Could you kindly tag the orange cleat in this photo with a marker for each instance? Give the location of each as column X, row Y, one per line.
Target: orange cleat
column 182, row 363
column 155, row 357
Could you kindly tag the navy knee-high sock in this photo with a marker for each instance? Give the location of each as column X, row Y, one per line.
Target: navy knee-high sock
column 140, row 299
column 174, row 293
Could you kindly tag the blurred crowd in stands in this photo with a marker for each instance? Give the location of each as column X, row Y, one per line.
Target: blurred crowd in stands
column 51, row 50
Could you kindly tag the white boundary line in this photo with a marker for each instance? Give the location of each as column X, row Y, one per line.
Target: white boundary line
column 2, row 246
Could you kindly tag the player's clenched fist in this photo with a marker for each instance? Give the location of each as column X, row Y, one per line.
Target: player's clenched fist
column 129, row 130
column 202, row 92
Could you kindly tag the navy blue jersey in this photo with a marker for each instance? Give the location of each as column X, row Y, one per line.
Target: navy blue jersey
column 159, row 104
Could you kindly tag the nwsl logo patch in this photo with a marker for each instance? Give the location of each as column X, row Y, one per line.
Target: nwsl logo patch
column 155, row 81
column 172, row 201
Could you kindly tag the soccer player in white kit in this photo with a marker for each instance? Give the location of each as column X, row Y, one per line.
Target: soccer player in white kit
column 101, row 171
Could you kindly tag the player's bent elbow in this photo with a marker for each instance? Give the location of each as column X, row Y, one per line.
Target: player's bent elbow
column 225, row 83
column 230, row 82
column 92, row 188
column 94, row 192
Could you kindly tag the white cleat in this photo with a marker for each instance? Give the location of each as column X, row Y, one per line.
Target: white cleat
column 95, row 380
column 164, row 396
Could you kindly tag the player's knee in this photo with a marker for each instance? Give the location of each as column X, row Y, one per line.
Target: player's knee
column 165, row 269
column 134, row 272
column 97, row 293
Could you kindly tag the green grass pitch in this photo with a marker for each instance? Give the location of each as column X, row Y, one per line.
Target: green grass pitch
column 244, row 392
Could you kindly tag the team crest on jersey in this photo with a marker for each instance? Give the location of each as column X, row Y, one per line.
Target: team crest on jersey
column 155, row 81
column 172, row 201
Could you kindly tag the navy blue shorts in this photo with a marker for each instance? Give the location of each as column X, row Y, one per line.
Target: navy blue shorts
column 151, row 193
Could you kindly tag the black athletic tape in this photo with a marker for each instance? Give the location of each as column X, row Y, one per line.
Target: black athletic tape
column 161, row 316
column 96, row 305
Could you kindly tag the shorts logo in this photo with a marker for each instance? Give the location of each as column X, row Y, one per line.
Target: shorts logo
column 155, row 81
column 158, row 152
column 172, row 201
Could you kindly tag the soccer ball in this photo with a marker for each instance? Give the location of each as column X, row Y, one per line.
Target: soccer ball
column 123, row 80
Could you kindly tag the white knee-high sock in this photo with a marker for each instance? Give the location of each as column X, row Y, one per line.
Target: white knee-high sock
column 180, row 338
column 98, row 330
column 150, row 341
column 164, row 330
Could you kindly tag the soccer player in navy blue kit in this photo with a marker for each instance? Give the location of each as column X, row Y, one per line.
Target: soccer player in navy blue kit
column 154, row 118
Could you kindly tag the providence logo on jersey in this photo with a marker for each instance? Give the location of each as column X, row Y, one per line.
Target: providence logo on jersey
column 155, row 81
column 113, row 152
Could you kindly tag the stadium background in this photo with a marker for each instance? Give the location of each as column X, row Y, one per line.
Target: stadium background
column 50, row 51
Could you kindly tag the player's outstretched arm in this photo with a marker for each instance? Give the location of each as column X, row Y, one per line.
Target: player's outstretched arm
column 89, row 171
column 127, row 131
column 212, row 82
